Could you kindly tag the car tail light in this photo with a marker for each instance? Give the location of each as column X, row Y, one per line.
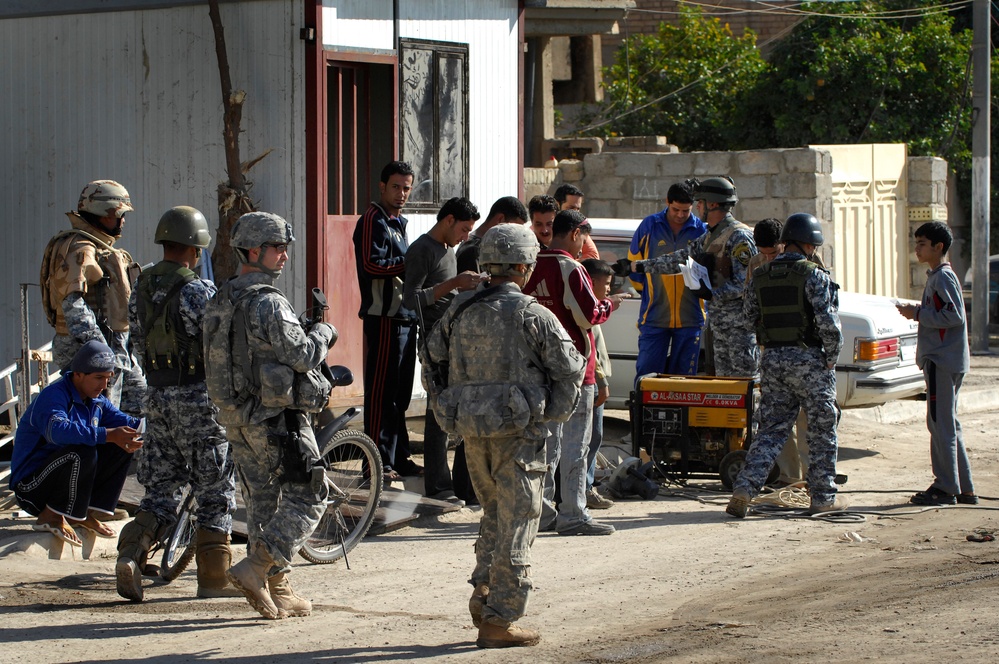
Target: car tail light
column 875, row 350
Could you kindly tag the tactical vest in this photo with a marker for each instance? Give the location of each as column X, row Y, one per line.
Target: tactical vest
column 786, row 316
column 722, row 268
column 172, row 356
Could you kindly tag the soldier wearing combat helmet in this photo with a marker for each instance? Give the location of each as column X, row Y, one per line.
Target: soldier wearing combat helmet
column 793, row 304
column 184, row 444
column 511, row 370
column 262, row 371
column 725, row 250
column 86, row 282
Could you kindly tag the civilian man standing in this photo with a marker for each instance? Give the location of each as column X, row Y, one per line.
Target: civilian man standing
column 380, row 246
column 671, row 316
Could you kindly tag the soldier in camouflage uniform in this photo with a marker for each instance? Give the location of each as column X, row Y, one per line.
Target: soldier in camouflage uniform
column 184, row 444
column 86, row 282
column 262, row 371
column 512, row 370
column 793, row 303
column 725, row 250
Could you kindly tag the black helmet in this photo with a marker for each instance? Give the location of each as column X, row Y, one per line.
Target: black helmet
column 802, row 228
column 716, row 190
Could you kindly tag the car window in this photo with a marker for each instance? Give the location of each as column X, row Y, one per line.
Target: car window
column 611, row 250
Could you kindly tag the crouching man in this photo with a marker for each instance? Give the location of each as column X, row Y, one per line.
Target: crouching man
column 511, row 369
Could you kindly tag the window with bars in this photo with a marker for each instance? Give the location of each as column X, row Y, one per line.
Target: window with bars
column 433, row 131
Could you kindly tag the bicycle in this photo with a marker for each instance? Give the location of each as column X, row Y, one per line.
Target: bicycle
column 354, row 478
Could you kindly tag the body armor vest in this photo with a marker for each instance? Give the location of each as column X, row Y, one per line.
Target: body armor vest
column 172, row 356
column 721, row 269
column 786, row 317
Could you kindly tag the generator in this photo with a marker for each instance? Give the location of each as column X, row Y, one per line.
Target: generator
column 693, row 426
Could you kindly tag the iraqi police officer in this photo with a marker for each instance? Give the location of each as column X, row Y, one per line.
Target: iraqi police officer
column 512, row 370
column 184, row 443
column 793, row 304
column 262, row 371
column 725, row 250
column 86, row 282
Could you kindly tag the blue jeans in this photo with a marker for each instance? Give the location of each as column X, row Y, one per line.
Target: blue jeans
column 574, row 443
column 596, row 440
column 669, row 351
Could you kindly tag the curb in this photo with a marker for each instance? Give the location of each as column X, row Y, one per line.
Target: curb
column 44, row 545
column 896, row 412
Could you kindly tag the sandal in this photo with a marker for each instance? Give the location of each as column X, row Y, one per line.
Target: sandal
column 391, row 476
column 61, row 532
column 97, row 528
column 933, row 497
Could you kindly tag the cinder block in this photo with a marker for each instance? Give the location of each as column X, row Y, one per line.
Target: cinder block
column 608, row 187
column 640, row 164
column 599, row 207
column 804, row 185
column 754, row 186
column 804, row 160
column 921, row 193
column 572, row 170
column 809, row 205
column 780, row 186
column 757, row 162
column 648, row 189
column 636, row 209
column 751, row 210
column 599, row 164
column 676, row 167
column 712, row 164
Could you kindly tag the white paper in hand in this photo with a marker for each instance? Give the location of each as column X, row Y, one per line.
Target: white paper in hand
column 693, row 274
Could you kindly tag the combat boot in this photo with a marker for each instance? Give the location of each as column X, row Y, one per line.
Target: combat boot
column 477, row 602
column 250, row 576
column 134, row 543
column 214, row 557
column 511, row 636
column 285, row 598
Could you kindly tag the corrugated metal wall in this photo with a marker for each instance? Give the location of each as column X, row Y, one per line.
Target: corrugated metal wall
column 135, row 97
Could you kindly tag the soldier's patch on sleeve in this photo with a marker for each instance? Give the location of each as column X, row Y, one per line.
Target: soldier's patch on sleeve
column 742, row 253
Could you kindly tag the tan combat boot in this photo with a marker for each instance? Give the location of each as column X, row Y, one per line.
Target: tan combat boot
column 134, row 543
column 494, row 636
column 285, row 598
column 477, row 602
column 214, row 557
column 250, row 576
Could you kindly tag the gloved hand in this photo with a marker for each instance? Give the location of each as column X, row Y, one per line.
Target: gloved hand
column 704, row 292
column 621, row 267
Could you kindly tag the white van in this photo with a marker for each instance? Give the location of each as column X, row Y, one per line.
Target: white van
column 877, row 363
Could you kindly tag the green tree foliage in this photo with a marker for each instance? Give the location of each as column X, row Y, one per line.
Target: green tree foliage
column 683, row 82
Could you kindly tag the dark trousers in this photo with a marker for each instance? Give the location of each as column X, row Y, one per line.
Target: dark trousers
column 74, row 479
column 389, row 365
column 461, row 479
column 436, row 474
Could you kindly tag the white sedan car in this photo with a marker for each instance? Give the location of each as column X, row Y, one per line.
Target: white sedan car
column 877, row 363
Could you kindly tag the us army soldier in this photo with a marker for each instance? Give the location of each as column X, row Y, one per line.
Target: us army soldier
column 512, row 370
column 86, row 282
column 262, row 371
column 794, row 305
column 184, row 444
column 725, row 250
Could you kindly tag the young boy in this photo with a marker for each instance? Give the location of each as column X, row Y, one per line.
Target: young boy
column 942, row 354
column 601, row 275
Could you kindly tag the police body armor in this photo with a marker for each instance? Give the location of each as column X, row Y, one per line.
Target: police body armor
column 720, row 262
column 172, row 356
column 786, row 316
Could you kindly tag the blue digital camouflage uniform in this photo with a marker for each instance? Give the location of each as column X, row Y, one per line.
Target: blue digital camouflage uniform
column 794, row 377
column 183, row 442
column 491, row 344
column 735, row 349
column 280, row 514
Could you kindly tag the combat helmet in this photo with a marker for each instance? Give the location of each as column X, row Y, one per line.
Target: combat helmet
column 256, row 229
column 716, row 190
column 104, row 198
column 506, row 245
column 802, row 228
column 183, row 225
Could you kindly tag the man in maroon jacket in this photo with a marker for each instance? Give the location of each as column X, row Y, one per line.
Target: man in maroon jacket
column 562, row 285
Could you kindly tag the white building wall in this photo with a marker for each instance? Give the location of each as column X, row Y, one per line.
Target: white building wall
column 134, row 96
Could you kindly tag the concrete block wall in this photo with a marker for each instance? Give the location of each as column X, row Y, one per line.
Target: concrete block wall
column 927, row 199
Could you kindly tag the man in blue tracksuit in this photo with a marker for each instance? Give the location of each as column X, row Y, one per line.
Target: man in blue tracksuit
column 671, row 316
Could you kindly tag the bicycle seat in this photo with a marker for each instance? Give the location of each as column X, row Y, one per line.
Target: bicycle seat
column 341, row 376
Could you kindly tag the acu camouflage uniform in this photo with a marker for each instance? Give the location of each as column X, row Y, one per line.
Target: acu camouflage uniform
column 86, row 284
column 797, row 376
column 280, row 514
column 507, row 338
column 731, row 245
column 184, row 443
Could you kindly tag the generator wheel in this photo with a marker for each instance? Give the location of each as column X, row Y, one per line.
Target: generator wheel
column 730, row 466
column 733, row 463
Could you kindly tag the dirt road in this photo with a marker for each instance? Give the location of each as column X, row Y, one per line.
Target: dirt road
column 679, row 582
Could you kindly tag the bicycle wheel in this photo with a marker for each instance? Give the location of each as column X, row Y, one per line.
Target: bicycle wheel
column 180, row 547
column 355, row 470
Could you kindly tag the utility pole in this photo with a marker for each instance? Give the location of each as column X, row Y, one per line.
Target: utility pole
column 980, row 176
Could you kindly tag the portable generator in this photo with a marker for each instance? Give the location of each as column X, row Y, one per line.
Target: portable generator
column 693, row 426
